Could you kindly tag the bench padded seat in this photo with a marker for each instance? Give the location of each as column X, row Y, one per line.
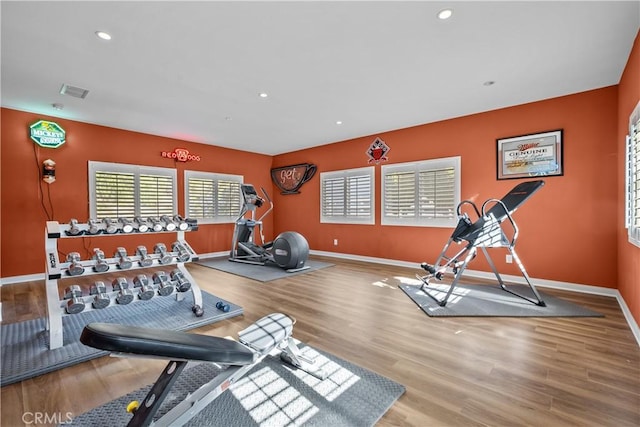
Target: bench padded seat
column 165, row 344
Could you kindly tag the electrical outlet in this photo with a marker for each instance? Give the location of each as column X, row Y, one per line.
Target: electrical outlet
column 335, row 242
column 509, row 259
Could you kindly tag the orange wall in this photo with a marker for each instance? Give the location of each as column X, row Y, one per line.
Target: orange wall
column 23, row 218
column 629, row 255
column 568, row 229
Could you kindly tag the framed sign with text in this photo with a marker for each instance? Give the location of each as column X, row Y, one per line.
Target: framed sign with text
column 525, row 156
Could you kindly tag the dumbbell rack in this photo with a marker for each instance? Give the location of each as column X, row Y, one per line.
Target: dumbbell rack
column 57, row 270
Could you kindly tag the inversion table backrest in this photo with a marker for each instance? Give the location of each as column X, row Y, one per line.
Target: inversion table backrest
column 511, row 201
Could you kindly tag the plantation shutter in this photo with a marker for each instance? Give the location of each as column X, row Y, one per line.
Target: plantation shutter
column 333, row 197
column 358, row 196
column 437, row 193
column 114, row 194
column 400, row 194
column 121, row 190
column 228, row 198
column 347, row 196
column 424, row 193
column 633, row 178
column 213, row 197
column 201, row 199
column 156, row 195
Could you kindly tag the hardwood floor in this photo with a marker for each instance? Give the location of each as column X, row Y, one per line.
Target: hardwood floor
column 457, row 371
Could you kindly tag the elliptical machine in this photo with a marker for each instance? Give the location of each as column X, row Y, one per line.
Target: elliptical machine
column 289, row 250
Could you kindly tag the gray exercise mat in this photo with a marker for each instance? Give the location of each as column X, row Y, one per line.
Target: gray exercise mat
column 25, row 345
column 273, row 394
column 261, row 273
column 492, row 301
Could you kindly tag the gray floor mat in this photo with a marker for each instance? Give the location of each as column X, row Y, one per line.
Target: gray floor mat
column 274, row 394
column 491, row 300
column 25, row 346
column 262, row 273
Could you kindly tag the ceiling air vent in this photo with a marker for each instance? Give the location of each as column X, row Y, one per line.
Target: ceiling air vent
column 76, row 92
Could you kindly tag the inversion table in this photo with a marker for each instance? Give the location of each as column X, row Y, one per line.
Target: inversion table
column 486, row 232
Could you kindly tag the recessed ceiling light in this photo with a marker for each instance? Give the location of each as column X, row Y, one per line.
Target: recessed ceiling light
column 445, row 14
column 339, row 122
column 228, row 118
column 263, row 95
column 102, row 35
column 489, row 83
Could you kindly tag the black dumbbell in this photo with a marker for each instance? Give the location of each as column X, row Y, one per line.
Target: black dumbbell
column 197, row 310
column 222, row 306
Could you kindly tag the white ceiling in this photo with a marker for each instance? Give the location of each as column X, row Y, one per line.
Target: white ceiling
column 193, row 70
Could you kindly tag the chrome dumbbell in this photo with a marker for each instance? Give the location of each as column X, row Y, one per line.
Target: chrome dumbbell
column 75, row 267
column 101, row 298
column 145, row 260
column 74, row 229
column 183, row 225
column 169, row 225
column 125, row 295
column 165, row 257
column 75, row 304
column 126, row 225
column 124, row 262
column 110, row 226
column 164, row 285
column 182, row 284
column 93, row 227
column 141, row 224
column 182, row 254
column 101, row 264
column 145, row 290
column 156, row 224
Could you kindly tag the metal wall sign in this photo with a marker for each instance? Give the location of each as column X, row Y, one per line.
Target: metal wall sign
column 47, row 134
column 289, row 179
column 377, row 151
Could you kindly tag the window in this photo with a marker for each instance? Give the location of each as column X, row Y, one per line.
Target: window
column 424, row 193
column 347, row 196
column 633, row 178
column 119, row 190
column 211, row 197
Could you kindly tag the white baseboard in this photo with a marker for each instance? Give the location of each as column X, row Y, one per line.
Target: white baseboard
column 544, row 283
column 567, row 286
column 20, row 279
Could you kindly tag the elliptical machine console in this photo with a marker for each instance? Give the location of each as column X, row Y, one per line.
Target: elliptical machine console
column 289, row 250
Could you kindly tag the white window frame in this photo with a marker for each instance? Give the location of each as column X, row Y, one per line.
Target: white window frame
column 136, row 170
column 632, row 166
column 416, row 167
column 344, row 218
column 215, row 178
